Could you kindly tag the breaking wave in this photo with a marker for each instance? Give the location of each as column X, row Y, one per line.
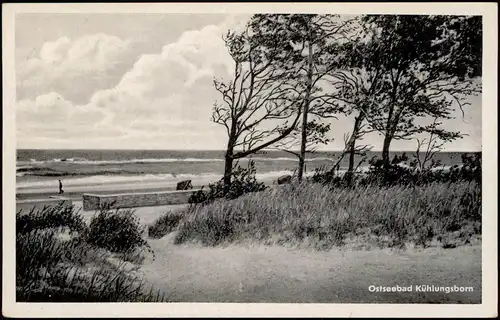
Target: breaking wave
column 155, row 160
column 135, row 180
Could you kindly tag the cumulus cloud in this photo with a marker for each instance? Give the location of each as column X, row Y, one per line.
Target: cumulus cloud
column 171, row 92
column 164, row 97
column 51, row 116
column 73, row 67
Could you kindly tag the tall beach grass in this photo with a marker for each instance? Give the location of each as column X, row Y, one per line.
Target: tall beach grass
column 59, row 258
column 321, row 217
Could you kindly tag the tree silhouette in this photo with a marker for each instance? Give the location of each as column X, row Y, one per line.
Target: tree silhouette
column 259, row 105
column 427, row 68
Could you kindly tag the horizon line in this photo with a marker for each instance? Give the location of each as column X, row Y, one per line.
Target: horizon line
column 265, row 150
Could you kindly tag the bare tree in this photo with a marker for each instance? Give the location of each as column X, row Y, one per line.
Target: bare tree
column 258, row 106
column 428, row 147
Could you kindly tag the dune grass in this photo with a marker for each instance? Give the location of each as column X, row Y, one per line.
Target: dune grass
column 313, row 215
column 61, row 259
column 165, row 224
column 49, row 217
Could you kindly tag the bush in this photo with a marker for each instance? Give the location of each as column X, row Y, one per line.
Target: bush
column 36, row 251
column 50, row 269
column 470, row 170
column 117, row 231
column 50, row 217
column 165, row 224
column 405, row 175
column 243, row 181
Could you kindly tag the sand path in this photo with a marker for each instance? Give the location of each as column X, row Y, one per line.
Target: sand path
column 189, row 273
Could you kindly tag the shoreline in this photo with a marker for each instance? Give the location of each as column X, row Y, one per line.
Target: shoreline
column 75, row 192
column 77, row 195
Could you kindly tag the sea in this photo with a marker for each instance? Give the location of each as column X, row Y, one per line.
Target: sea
column 43, row 168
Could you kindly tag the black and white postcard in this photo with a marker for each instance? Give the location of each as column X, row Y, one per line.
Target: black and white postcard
column 231, row 159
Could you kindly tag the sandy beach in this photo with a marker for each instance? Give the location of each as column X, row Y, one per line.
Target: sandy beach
column 75, row 192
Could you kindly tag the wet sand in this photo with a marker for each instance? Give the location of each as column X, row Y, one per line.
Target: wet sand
column 75, row 192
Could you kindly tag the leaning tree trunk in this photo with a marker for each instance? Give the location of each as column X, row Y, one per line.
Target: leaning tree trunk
column 352, row 147
column 386, row 162
column 229, row 158
column 228, row 171
column 350, row 170
column 303, row 141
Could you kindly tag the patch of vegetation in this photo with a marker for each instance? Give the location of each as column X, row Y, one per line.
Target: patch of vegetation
column 52, row 268
column 60, row 216
column 406, row 175
column 214, row 227
column 165, row 224
column 80, row 285
column 116, row 230
column 318, row 216
column 243, row 181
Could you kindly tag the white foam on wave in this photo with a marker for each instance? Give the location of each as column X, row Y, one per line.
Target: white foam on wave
column 98, row 162
column 165, row 179
column 84, row 161
column 107, row 179
column 292, row 159
column 166, row 160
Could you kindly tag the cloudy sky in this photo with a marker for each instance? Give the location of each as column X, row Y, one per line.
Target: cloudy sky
column 139, row 81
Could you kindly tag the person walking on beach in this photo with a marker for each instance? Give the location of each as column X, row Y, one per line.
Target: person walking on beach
column 61, row 191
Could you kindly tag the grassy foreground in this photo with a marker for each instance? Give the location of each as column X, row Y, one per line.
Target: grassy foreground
column 316, row 216
column 59, row 258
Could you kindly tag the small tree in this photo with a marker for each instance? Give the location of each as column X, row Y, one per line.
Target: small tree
column 429, row 147
column 243, row 181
